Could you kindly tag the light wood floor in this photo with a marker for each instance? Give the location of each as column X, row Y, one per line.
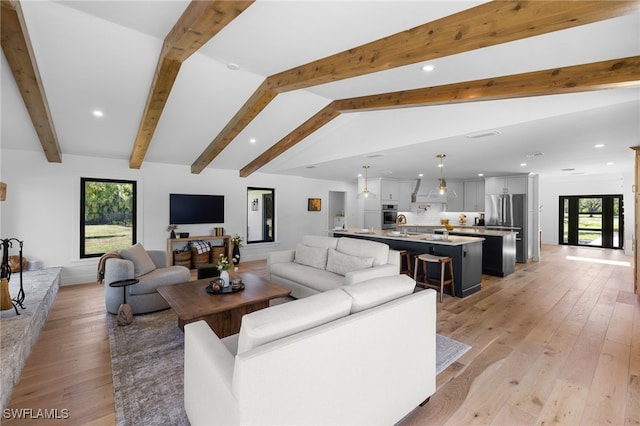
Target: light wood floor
column 556, row 342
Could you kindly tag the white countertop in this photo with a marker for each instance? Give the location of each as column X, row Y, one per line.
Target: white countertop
column 467, row 229
column 453, row 240
column 479, row 230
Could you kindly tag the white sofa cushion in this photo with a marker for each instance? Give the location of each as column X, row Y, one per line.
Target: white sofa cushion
column 142, row 262
column 377, row 291
column 316, row 279
column 316, row 257
column 279, row 321
column 364, row 248
column 319, row 241
column 341, row 263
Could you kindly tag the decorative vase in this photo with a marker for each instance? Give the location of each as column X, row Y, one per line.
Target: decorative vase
column 236, row 255
column 224, row 276
column 173, row 234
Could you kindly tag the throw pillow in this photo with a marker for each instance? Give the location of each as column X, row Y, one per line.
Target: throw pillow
column 142, row 263
column 341, row 264
column 316, row 257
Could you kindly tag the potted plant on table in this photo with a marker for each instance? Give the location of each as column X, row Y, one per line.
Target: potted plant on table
column 172, row 228
column 223, row 266
column 237, row 243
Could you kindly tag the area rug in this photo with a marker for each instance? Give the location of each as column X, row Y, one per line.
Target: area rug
column 147, row 365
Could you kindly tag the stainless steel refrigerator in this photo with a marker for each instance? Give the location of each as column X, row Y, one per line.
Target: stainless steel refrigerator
column 509, row 212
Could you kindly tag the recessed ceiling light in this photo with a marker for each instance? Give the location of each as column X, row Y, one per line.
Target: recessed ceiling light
column 523, row 164
column 233, row 66
column 252, row 140
column 480, row 174
column 610, row 163
column 483, row 134
column 359, row 174
column 98, row 113
column 427, row 68
column 420, row 174
column 599, row 145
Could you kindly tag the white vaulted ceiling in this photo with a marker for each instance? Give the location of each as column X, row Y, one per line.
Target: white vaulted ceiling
column 103, row 54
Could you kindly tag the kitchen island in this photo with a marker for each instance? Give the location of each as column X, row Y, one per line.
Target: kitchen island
column 465, row 251
column 498, row 251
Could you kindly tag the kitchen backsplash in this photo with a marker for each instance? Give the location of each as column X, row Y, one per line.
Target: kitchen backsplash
column 433, row 214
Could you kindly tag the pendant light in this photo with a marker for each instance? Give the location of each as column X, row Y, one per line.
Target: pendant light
column 365, row 192
column 442, row 184
column 442, row 190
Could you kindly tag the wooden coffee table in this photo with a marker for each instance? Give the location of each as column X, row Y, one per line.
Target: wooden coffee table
column 223, row 312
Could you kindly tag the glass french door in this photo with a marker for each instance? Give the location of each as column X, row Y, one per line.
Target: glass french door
column 592, row 220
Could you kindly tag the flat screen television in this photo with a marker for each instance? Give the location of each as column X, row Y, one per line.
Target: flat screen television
column 192, row 208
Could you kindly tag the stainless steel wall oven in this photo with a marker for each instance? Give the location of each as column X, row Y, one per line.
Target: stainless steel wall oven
column 389, row 216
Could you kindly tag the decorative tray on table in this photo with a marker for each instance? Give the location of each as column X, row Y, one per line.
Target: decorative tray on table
column 215, row 287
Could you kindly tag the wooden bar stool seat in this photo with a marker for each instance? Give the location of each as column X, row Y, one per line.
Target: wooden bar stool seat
column 426, row 259
column 405, row 259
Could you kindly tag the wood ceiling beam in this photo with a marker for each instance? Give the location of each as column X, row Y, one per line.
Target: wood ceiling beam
column 318, row 120
column 18, row 50
column 200, row 21
column 485, row 25
column 613, row 74
column 250, row 110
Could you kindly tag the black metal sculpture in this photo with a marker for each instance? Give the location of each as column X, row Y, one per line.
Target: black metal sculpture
column 5, row 271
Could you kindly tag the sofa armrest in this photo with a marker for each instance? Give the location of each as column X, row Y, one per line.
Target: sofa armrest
column 208, row 373
column 394, row 258
column 370, row 273
column 280, row 256
column 159, row 258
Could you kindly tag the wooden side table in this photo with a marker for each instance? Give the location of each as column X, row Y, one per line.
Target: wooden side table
column 125, row 316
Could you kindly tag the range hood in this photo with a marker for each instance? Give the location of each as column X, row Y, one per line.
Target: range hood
column 427, row 195
column 414, row 194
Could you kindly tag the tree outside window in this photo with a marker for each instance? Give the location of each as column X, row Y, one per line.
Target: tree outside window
column 108, row 216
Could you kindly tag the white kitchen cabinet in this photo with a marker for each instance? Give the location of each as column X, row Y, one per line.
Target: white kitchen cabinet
column 373, row 219
column 455, row 196
column 405, row 188
column 474, row 195
column 508, row 184
column 388, row 191
column 517, row 184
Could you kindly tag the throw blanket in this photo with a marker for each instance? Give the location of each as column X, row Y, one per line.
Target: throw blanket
column 200, row 246
column 103, row 261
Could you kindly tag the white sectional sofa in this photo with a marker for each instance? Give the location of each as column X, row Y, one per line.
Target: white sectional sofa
column 324, row 263
column 363, row 354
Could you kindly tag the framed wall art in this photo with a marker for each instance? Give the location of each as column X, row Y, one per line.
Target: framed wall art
column 314, row 204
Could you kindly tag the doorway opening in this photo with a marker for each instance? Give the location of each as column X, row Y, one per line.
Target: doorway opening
column 592, row 220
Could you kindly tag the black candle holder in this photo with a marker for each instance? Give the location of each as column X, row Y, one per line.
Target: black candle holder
column 5, row 270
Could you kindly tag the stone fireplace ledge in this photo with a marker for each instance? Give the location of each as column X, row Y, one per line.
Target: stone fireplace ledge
column 18, row 333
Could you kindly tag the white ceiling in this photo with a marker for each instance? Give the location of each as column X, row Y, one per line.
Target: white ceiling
column 102, row 55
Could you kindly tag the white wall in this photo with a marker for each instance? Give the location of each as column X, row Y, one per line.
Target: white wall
column 43, row 207
column 552, row 188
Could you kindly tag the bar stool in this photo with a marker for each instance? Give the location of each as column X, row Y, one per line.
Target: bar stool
column 442, row 260
column 405, row 259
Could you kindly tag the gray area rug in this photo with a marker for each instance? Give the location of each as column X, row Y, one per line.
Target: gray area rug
column 147, row 364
